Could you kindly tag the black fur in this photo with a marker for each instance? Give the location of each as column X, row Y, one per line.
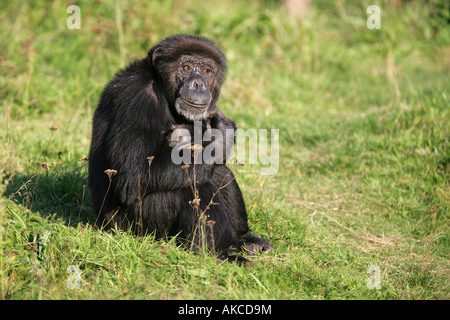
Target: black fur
column 135, row 113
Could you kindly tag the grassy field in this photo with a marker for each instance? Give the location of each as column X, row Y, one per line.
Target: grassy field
column 359, row 208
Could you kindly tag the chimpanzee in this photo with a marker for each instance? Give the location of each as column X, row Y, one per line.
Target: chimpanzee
column 134, row 182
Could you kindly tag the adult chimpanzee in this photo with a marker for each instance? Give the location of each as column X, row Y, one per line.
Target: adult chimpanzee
column 176, row 84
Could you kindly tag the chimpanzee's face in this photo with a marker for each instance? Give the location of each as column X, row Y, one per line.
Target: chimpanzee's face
column 195, row 77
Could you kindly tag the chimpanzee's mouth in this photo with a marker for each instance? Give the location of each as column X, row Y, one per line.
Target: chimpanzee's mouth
column 191, row 111
column 195, row 105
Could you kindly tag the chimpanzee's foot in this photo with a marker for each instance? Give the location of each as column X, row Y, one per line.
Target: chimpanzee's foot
column 252, row 244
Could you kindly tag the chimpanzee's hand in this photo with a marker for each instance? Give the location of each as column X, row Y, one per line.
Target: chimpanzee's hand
column 178, row 134
column 217, row 120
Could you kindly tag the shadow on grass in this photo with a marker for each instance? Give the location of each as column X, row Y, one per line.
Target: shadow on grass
column 60, row 194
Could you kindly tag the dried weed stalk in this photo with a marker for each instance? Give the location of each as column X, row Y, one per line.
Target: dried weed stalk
column 110, row 173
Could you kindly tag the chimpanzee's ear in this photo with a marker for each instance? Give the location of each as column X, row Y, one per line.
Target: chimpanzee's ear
column 155, row 54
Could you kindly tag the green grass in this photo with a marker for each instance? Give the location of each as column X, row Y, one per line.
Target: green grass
column 364, row 150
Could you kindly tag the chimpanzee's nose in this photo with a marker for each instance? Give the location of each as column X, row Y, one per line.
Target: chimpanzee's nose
column 198, row 83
